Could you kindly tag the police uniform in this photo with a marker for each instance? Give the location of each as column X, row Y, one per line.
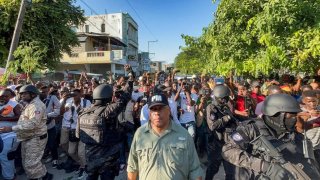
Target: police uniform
column 31, row 130
column 218, row 133
column 250, row 161
column 169, row 156
column 102, row 154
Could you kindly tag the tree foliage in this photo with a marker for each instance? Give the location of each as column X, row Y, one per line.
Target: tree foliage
column 46, row 32
column 254, row 36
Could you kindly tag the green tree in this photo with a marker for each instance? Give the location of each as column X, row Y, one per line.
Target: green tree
column 263, row 36
column 46, row 30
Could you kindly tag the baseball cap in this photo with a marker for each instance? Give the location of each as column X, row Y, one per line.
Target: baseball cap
column 255, row 84
column 158, row 100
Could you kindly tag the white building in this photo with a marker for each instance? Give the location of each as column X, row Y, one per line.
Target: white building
column 120, row 25
column 104, row 37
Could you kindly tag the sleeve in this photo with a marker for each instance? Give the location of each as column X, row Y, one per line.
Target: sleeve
column 144, row 115
column 114, row 109
column 195, row 169
column 174, row 113
column 214, row 123
column 133, row 165
column 237, row 155
column 56, row 107
column 37, row 115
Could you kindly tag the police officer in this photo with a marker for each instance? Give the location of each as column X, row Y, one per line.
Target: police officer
column 220, row 124
column 31, row 130
column 99, row 129
column 276, row 128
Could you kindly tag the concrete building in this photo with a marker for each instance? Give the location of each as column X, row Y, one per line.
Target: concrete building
column 144, row 62
column 157, row 66
column 107, row 42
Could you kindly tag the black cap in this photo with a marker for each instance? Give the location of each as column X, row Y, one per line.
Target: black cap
column 158, row 100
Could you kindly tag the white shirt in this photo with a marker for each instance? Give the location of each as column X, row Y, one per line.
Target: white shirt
column 144, row 116
column 189, row 111
column 68, row 114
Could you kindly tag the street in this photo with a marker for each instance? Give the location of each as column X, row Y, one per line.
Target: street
column 61, row 175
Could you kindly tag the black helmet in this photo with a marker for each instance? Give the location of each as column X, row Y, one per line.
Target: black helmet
column 29, row 88
column 221, row 91
column 102, row 91
column 280, row 103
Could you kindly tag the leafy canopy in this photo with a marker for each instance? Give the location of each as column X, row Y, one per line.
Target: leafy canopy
column 255, row 36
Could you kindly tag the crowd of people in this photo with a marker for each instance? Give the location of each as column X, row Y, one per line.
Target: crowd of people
column 158, row 126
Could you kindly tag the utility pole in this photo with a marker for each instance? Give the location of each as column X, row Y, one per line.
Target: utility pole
column 149, row 45
column 17, row 31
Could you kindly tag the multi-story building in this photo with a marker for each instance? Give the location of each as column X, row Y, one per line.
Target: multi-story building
column 144, row 62
column 157, row 66
column 107, row 42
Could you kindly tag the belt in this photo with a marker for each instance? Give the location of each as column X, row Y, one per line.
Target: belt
column 43, row 136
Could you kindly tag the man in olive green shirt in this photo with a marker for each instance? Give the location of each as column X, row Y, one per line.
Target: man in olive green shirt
column 162, row 150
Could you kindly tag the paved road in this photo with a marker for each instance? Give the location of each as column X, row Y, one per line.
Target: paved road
column 61, row 175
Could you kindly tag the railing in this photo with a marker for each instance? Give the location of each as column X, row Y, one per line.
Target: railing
column 95, row 57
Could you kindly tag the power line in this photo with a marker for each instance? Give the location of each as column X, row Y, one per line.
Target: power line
column 92, row 10
column 141, row 20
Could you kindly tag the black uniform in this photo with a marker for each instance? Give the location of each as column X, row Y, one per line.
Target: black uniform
column 218, row 131
column 263, row 148
column 103, row 159
column 249, row 161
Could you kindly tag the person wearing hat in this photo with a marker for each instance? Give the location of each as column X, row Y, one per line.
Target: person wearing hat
column 31, row 130
column 161, row 149
column 256, row 92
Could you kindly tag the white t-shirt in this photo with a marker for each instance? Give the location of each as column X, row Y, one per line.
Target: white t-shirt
column 189, row 114
column 9, row 106
column 68, row 114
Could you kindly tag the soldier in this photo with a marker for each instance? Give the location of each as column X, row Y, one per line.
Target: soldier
column 220, row 125
column 31, row 130
column 270, row 147
column 99, row 129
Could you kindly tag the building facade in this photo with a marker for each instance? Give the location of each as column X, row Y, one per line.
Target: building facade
column 107, row 42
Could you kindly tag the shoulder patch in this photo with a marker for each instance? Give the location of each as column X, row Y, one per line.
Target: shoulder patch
column 236, row 136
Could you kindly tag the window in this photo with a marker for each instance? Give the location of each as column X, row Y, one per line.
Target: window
column 87, row 28
column 103, row 28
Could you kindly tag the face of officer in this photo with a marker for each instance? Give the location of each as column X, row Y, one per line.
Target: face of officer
column 160, row 117
column 27, row 96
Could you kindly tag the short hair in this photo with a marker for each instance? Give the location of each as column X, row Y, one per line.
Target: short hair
column 306, row 87
column 273, row 88
column 76, row 90
column 309, row 94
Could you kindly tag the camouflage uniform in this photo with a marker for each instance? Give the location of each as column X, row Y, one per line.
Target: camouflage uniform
column 31, row 129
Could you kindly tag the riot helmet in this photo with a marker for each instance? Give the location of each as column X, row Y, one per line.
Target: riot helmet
column 29, row 88
column 279, row 112
column 102, row 94
column 221, row 94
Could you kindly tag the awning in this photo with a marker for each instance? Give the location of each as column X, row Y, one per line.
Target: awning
column 105, row 37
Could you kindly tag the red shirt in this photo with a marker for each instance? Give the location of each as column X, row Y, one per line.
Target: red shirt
column 257, row 97
column 240, row 104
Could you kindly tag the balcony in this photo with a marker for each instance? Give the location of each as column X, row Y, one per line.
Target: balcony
column 94, row 57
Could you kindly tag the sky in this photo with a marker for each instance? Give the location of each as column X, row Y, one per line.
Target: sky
column 162, row 20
